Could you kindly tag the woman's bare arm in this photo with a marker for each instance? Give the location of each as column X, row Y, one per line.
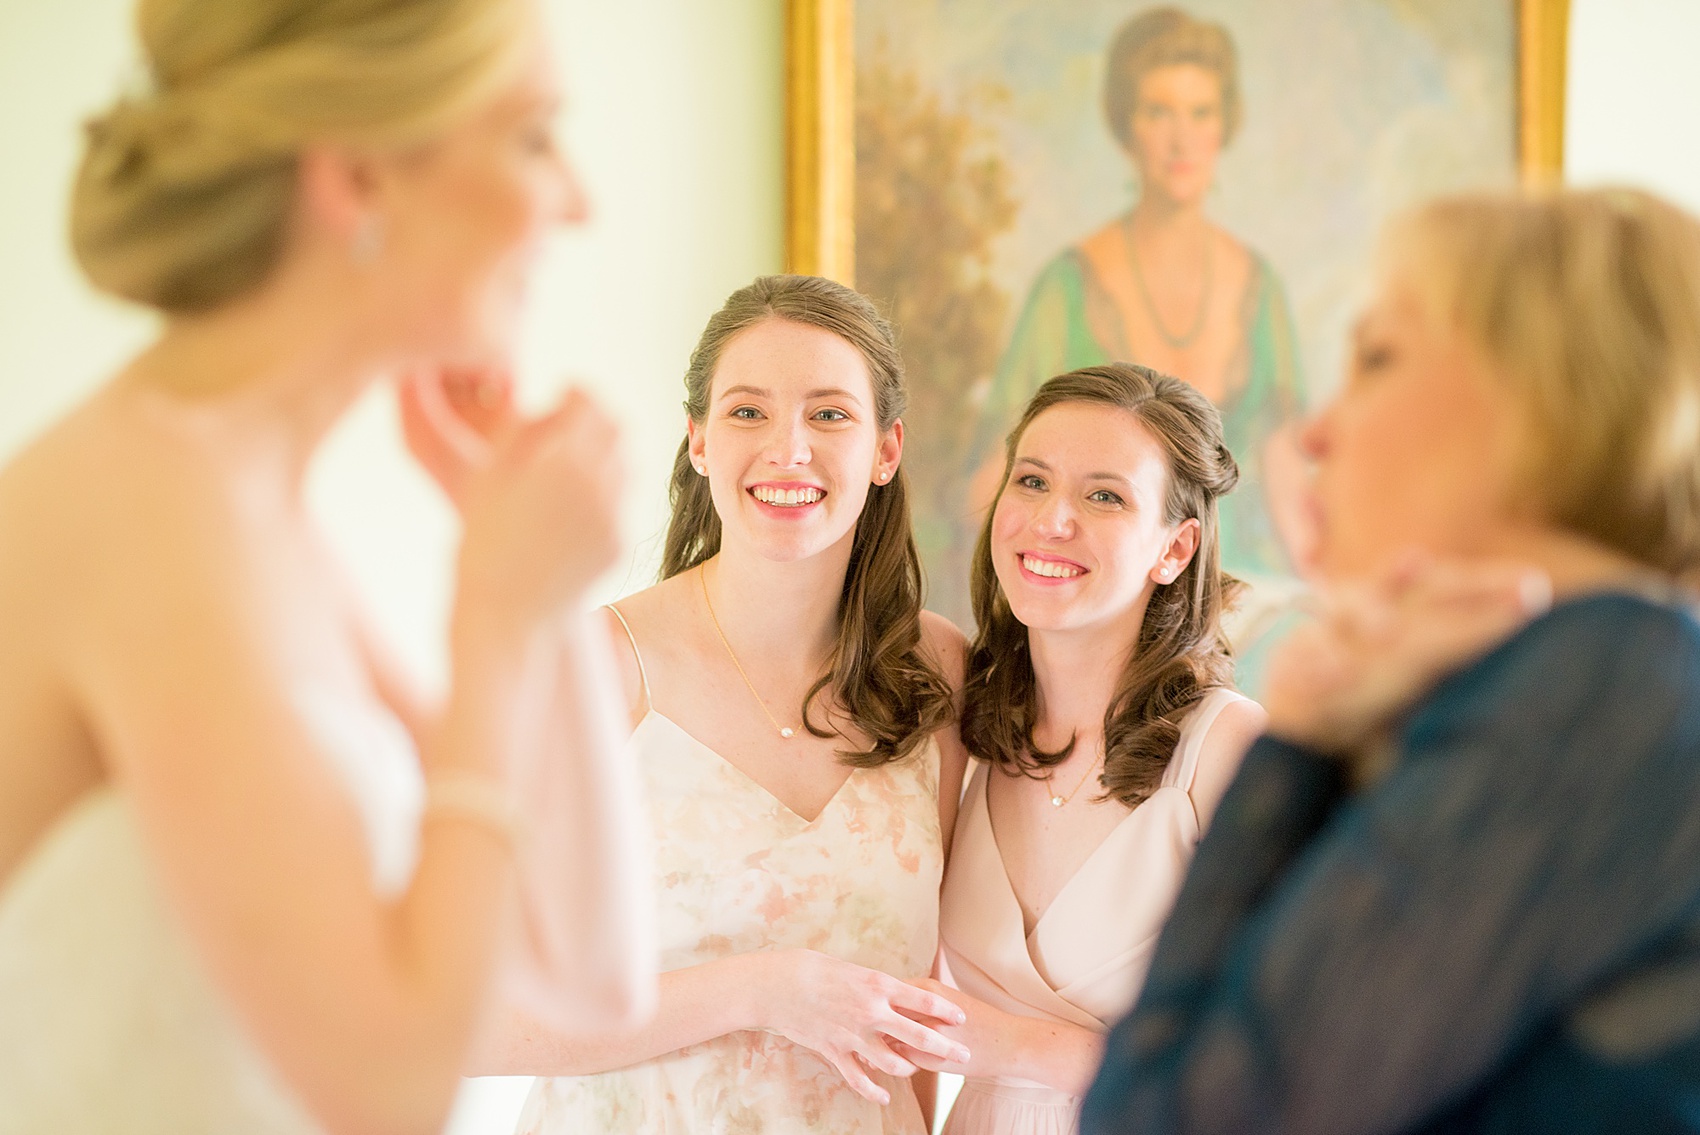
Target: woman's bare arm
column 196, row 656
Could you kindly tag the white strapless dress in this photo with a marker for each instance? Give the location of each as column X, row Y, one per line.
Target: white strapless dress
column 108, row 1023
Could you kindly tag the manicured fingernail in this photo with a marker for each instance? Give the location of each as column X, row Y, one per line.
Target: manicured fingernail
column 962, row 1055
column 961, row 1018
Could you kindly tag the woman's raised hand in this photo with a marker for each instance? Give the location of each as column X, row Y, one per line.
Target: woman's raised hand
column 850, row 1015
column 452, row 418
column 541, row 508
column 1375, row 648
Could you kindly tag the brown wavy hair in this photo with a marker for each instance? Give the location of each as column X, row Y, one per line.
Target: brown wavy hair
column 1181, row 653
column 877, row 670
column 1163, row 37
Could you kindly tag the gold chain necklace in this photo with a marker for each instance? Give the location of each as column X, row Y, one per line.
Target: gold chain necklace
column 702, row 577
column 1059, row 801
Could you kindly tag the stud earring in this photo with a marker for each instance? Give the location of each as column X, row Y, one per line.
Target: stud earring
column 368, row 239
column 884, row 477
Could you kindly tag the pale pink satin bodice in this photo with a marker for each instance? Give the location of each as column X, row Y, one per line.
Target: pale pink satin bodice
column 1088, row 953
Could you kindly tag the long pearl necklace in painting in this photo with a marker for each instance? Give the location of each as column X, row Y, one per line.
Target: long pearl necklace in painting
column 1183, row 341
column 1059, row 801
column 702, row 577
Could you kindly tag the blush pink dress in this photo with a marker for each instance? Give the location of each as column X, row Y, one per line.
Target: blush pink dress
column 1088, row 953
column 737, row 871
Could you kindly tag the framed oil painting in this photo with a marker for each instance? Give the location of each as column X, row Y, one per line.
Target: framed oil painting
column 1027, row 187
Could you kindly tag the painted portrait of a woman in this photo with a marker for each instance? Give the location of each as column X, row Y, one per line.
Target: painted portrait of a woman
column 1166, row 286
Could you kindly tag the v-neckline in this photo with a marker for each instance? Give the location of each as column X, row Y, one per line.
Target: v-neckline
column 759, row 786
column 1003, row 866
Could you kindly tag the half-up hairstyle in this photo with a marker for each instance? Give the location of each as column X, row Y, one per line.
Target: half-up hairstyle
column 1181, row 653
column 877, row 672
column 184, row 192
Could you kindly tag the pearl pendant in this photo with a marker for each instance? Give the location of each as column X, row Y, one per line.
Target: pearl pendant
column 1057, row 801
column 785, row 731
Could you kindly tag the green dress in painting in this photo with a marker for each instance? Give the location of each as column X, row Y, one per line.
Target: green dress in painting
column 1057, row 332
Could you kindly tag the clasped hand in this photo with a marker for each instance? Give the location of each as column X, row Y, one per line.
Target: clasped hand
column 859, row 1018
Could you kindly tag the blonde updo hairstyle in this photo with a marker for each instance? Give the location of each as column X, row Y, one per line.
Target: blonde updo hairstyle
column 1586, row 306
column 184, row 194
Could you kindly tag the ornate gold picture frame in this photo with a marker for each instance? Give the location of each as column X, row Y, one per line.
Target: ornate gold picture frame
column 820, row 146
column 1000, row 176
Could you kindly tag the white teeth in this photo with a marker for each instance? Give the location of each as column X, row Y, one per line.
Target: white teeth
column 1050, row 568
column 786, row 498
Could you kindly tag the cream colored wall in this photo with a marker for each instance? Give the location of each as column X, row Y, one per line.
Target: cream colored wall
column 675, row 121
column 1634, row 106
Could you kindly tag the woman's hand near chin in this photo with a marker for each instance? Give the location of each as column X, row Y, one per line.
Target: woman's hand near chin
column 541, row 514
column 1376, row 647
column 452, row 418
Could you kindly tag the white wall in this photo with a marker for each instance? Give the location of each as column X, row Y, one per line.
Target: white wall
column 1634, row 98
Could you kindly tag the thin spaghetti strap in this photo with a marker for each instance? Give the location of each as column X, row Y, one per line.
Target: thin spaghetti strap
column 643, row 676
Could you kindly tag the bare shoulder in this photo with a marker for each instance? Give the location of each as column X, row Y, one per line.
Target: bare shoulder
column 1105, row 241
column 1235, row 259
column 108, row 500
column 641, row 627
column 1241, row 720
column 1237, row 725
column 944, row 644
column 658, row 607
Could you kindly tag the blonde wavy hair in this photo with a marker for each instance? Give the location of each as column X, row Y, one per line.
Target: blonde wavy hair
column 183, row 196
column 1587, row 304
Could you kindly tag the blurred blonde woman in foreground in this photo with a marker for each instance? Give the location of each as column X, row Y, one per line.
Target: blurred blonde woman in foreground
column 229, row 899
column 1457, row 885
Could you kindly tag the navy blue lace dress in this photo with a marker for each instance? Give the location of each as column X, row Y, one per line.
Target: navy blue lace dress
column 1502, row 935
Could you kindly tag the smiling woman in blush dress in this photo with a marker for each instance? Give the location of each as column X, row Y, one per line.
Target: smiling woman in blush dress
column 1098, row 695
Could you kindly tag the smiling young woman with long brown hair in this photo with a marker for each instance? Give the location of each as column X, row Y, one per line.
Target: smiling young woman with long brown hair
column 794, row 723
column 1099, row 696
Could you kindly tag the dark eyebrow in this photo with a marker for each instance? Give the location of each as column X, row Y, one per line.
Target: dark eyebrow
column 762, row 392
column 832, row 392
column 1115, row 477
